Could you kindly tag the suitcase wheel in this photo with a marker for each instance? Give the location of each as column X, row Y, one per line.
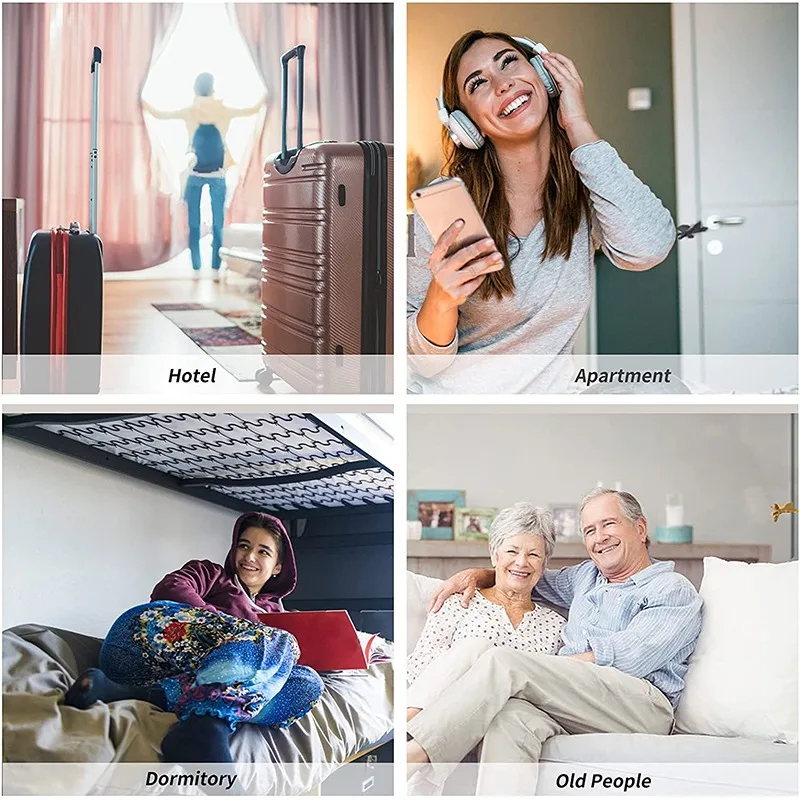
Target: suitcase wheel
column 265, row 378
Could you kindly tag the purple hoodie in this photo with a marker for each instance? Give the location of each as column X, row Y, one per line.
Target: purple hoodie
column 204, row 584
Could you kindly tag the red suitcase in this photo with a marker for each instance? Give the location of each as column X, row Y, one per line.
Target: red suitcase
column 327, row 270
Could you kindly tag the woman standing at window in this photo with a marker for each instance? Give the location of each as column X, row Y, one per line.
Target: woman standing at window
column 207, row 121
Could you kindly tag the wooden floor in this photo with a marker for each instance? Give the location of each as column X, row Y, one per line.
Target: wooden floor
column 132, row 327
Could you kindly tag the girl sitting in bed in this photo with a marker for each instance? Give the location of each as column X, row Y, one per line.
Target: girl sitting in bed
column 199, row 650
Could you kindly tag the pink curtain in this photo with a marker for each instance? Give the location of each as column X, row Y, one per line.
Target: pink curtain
column 362, row 31
column 24, row 45
column 269, row 30
column 134, row 218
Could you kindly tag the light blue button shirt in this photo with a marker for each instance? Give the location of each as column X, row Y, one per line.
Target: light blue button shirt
column 646, row 627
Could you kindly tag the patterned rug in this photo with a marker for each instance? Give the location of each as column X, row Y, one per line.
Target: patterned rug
column 232, row 337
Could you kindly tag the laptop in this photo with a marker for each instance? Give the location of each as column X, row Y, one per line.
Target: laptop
column 328, row 639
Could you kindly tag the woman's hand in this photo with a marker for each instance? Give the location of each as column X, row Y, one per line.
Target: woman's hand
column 458, row 275
column 454, row 278
column 465, row 582
column 572, row 114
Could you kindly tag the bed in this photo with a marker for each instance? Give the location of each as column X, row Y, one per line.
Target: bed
column 39, row 664
column 293, row 465
column 297, row 466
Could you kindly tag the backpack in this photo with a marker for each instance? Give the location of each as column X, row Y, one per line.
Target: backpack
column 209, row 148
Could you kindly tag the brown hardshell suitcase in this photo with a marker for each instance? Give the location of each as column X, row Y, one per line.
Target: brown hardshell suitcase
column 327, row 270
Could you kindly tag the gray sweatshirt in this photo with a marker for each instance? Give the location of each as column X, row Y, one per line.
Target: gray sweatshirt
column 539, row 322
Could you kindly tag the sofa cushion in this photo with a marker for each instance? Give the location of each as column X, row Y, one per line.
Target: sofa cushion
column 677, row 764
column 742, row 677
column 419, row 591
column 678, row 748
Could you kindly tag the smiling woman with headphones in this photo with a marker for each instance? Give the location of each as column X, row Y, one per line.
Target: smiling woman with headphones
column 550, row 191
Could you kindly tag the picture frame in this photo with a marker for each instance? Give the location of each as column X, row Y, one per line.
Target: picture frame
column 566, row 521
column 473, row 524
column 435, row 509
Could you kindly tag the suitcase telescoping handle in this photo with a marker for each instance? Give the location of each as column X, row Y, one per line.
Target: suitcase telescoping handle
column 298, row 53
column 97, row 57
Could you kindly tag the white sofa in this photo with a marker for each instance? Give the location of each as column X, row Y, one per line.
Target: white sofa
column 693, row 761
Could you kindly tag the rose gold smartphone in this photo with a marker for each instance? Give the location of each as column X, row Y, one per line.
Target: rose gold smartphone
column 442, row 203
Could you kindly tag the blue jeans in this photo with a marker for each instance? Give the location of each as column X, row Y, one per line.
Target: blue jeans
column 192, row 195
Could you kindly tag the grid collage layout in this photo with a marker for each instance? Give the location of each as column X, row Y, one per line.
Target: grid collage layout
column 321, row 477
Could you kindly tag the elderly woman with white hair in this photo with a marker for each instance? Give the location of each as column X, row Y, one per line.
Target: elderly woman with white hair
column 521, row 541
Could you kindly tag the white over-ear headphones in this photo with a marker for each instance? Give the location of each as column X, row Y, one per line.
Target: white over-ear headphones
column 463, row 131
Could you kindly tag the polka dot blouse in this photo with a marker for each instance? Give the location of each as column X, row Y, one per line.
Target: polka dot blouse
column 539, row 631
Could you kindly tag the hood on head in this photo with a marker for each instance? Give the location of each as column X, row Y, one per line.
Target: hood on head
column 284, row 582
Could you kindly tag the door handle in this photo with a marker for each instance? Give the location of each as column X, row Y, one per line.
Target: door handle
column 715, row 220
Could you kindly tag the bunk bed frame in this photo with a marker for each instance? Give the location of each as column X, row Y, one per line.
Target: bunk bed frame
column 293, row 465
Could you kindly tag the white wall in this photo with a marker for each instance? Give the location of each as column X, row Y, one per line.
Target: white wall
column 81, row 544
column 730, row 468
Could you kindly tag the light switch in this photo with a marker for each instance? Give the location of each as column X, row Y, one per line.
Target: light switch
column 639, row 99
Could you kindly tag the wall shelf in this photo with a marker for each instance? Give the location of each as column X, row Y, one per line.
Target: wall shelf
column 441, row 559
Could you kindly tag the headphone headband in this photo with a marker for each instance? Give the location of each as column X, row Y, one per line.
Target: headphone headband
column 440, row 107
column 537, row 47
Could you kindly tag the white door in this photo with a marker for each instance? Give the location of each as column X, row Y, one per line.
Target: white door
column 736, row 133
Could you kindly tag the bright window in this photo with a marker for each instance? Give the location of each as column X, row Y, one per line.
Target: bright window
column 204, row 40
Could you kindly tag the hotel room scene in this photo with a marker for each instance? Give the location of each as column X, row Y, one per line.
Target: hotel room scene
column 212, row 253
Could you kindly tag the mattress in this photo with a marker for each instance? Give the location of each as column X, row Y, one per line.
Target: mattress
column 52, row 749
column 291, row 465
column 241, row 251
column 246, row 235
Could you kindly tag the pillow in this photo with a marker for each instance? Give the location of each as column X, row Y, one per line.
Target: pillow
column 419, row 591
column 742, row 677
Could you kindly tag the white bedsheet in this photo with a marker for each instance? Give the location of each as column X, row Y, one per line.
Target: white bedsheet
column 45, row 742
column 355, row 711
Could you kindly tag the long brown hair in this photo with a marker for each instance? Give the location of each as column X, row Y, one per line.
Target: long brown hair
column 566, row 199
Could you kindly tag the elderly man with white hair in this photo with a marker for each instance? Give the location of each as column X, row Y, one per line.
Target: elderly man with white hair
column 632, row 625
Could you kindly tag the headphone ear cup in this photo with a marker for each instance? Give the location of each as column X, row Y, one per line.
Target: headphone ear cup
column 465, row 130
column 547, row 79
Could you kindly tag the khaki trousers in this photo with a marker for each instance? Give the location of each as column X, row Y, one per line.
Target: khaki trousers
column 444, row 670
column 514, row 702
